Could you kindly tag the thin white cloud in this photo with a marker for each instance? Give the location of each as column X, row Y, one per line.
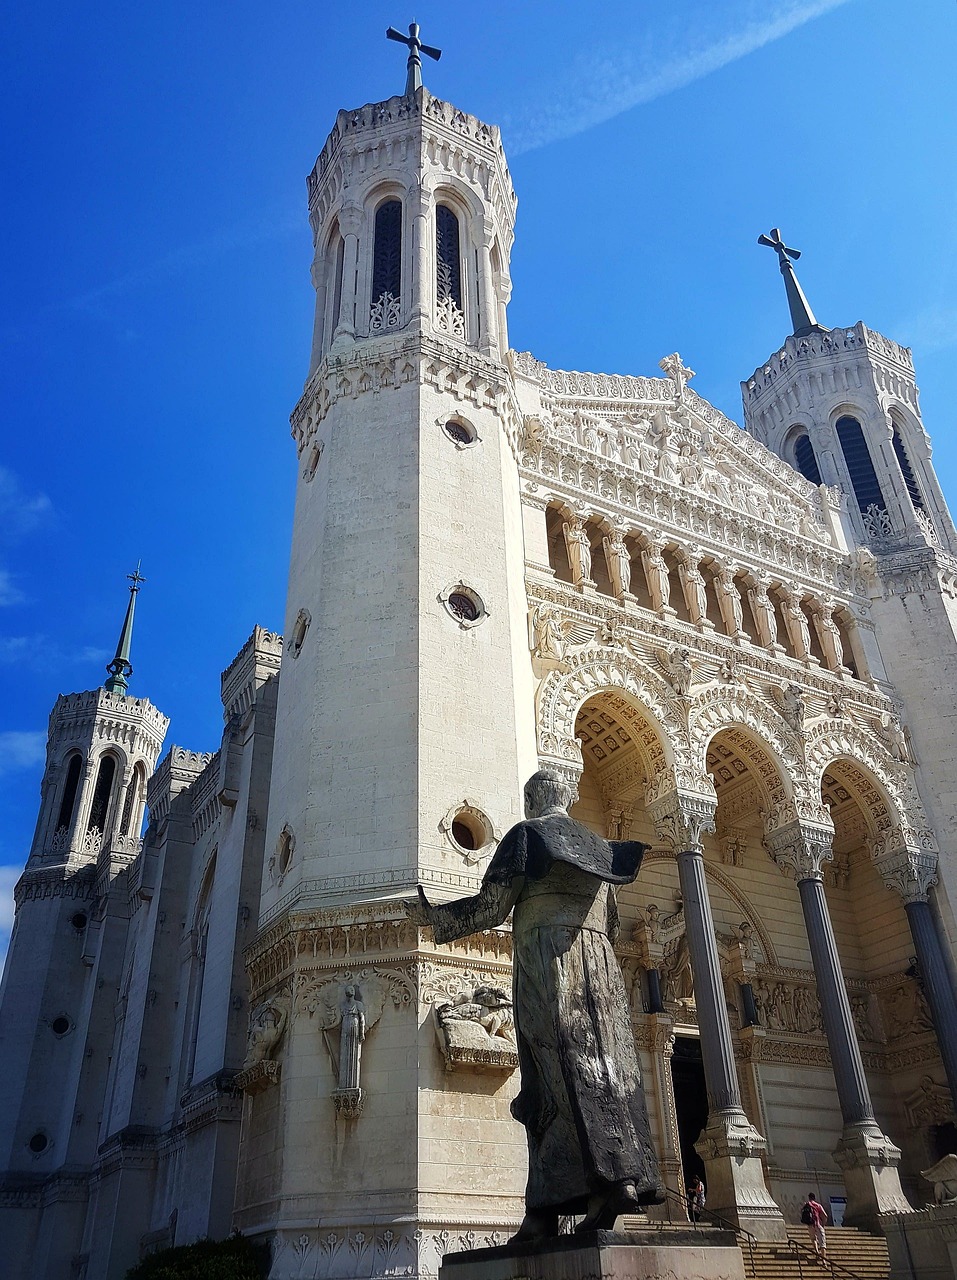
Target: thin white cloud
column 21, row 749
column 20, row 512
column 8, row 878
column 608, row 84
column 10, row 593
column 41, row 653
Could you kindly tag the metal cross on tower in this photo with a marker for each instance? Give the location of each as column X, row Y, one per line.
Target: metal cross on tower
column 415, row 46
column 136, row 577
column 802, row 317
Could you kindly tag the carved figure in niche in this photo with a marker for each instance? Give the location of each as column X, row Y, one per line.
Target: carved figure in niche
column 656, row 571
column 666, row 462
column 680, row 985
column 653, row 914
column 267, row 1026
column 807, row 1012
column 618, row 559
column 829, row 634
column 763, row 610
column 796, row 621
column 688, row 466
column 943, row 1175
column 581, row 1102
column 347, row 1011
column 678, row 668
column 747, row 941
column 861, row 1013
column 647, row 453
column 579, row 550
column 730, row 602
column 907, row 1011
column 695, row 590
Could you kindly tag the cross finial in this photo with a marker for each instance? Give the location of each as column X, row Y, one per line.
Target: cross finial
column 678, row 372
column 802, row 317
column 413, row 79
column 136, row 578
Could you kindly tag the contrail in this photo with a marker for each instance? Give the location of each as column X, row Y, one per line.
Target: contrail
column 615, row 84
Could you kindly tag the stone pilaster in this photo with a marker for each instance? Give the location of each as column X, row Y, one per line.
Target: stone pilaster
column 730, row 1146
column 868, row 1158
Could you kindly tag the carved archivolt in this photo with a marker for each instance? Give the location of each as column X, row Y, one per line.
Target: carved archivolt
column 562, row 694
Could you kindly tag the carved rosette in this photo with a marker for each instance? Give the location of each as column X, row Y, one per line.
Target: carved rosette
column 682, row 818
column 801, row 849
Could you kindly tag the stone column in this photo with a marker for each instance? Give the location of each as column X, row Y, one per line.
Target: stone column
column 730, row 1146
column 350, row 219
column 868, row 1158
column 487, row 318
column 912, row 873
column 423, row 259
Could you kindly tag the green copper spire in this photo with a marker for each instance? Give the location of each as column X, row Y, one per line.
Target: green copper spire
column 121, row 668
column 413, row 77
column 802, row 317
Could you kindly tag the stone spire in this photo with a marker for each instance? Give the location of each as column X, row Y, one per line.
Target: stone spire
column 803, row 321
column 120, row 669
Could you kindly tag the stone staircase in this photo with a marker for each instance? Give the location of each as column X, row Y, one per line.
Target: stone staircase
column 851, row 1255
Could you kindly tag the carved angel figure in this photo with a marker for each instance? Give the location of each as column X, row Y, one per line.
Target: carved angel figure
column 943, row 1175
column 618, row 559
column 678, row 669
column 897, row 737
column 552, row 634
column 267, row 1026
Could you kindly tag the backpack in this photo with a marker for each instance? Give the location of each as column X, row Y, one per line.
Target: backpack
column 807, row 1215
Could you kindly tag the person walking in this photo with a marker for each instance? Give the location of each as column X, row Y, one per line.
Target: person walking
column 814, row 1216
column 695, row 1194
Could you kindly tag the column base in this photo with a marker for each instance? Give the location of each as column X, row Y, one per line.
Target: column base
column 869, row 1163
column 731, row 1149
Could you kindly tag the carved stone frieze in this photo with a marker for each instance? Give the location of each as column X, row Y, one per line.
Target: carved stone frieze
column 476, row 1030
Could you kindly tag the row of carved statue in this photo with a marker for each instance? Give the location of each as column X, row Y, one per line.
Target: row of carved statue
column 730, row 585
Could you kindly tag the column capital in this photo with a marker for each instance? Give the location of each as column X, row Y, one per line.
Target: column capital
column 801, row 849
column 910, row 873
column 681, row 818
column 350, row 219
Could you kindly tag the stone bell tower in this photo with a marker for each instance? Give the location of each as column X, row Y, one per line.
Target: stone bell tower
column 841, row 405
column 405, row 718
column 57, row 1001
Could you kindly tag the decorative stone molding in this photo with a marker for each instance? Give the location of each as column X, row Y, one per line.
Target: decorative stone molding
column 910, row 873
column 681, row 819
column 801, row 849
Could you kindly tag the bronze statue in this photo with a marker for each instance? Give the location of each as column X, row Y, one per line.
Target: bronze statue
column 581, row 1102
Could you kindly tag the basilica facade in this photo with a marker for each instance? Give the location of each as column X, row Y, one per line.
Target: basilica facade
column 740, row 645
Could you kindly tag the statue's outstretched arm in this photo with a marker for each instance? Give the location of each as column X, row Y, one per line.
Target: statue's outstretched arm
column 484, row 910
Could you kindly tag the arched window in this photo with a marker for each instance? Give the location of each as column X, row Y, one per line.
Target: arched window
column 867, row 489
column 387, row 265
column 129, row 803
column 70, row 788
column 100, row 807
column 907, row 471
column 805, row 461
column 448, row 272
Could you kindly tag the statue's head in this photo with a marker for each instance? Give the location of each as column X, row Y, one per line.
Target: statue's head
column 547, row 792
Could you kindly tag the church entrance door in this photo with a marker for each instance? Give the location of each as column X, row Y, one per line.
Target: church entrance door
column 691, row 1102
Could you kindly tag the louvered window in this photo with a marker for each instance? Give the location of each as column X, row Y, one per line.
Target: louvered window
column 448, row 264
column 387, row 254
column 805, row 460
column 907, row 471
column 867, row 489
column 69, row 793
column 101, row 794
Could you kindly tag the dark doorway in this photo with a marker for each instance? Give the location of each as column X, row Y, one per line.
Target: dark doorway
column 943, row 1139
column 691, row 1102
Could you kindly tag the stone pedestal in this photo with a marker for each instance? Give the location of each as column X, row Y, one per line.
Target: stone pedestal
column 923, row 1244
column 695, row 1254
column 869, row 1162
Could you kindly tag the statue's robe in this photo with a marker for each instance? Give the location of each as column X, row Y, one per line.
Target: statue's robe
column 581, row 1100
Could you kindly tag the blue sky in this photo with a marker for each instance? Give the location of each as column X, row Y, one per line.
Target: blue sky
column 156, row 309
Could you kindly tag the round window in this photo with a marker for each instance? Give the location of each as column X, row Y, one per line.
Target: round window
column 464, row 604
column 461, row 432
column 463, row 835
column 469, row 830
column 78, row 921
column 39, row 1142
column 60, row 1025
column 287, row 842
